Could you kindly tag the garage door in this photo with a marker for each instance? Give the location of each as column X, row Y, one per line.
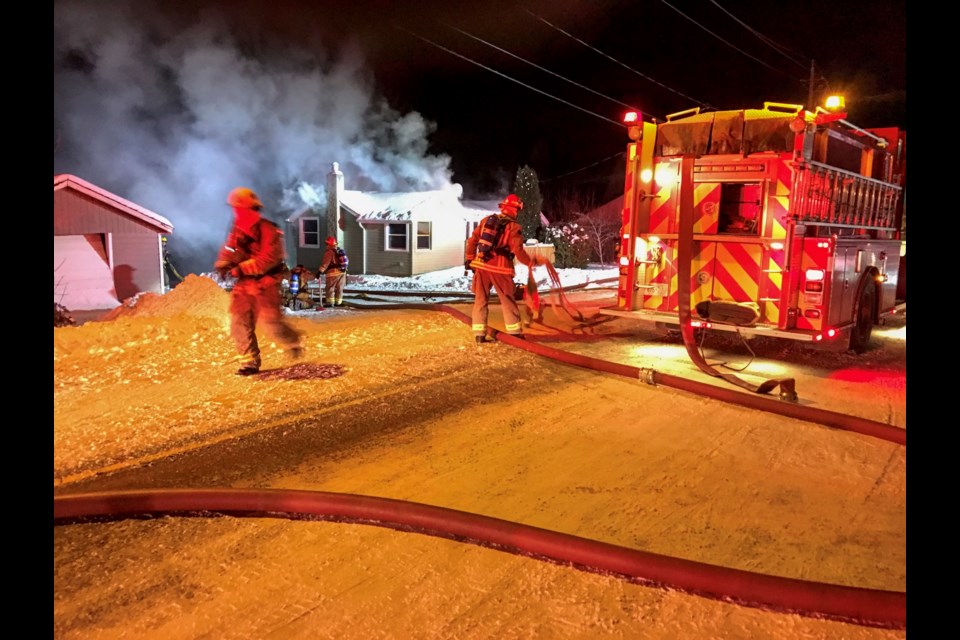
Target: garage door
column 81, row 273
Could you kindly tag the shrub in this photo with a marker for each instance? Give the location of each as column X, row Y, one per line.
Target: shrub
column 571, row 246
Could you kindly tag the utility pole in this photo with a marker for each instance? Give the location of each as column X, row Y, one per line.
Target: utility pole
column 811, row 105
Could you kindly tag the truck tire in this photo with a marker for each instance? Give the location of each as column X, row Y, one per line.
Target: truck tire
column 863, row 316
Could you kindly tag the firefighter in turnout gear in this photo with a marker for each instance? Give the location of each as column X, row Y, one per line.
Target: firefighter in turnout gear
column 333, row 268
column 169, row 271
column 490, row 252
column 254, row 254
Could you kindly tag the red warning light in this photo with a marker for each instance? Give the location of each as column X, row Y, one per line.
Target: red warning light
column 631, row 117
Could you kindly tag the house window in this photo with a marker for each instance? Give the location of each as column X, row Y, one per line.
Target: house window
column 397, row 237
column 423, row 235
column 309, row 232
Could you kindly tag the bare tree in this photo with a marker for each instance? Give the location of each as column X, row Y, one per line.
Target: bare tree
column 600, row 223
column 603, row 227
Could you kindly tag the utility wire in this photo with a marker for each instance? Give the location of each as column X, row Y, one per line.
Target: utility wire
column 593, row 164
column 532, row 64
column 609, row 57
column 732, row 46
column 584, row 168
column 483, row 66
column 776, row 46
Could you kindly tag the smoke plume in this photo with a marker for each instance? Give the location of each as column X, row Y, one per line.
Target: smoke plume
column 172, row 113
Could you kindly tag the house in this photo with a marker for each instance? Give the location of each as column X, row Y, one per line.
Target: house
column 390, row 234
column 105, row 248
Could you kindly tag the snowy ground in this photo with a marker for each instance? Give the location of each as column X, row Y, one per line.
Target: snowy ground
column 454, row 279
column 411, row 418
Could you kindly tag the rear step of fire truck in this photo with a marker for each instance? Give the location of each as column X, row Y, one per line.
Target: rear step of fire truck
column 669, row 322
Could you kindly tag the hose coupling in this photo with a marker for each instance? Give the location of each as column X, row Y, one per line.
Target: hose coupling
column 646, row 375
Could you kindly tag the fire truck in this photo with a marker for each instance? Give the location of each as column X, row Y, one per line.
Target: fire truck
column 778, row 221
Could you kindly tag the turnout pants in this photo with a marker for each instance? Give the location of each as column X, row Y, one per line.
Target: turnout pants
column 257, row 301
column 334, row 288
column 503, row 285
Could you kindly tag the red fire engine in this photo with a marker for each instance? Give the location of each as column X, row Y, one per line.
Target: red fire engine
column 775, row 221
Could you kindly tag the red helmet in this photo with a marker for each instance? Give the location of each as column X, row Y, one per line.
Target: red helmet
column 512, row 202
column 331, row 241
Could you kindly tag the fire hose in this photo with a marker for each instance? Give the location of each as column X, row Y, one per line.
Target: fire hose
column 866, row 607
column 825, row 417
column 684, row 260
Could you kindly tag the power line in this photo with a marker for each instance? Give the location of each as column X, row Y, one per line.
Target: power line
column 503, row 75
column 732, row 46
column 593, row 164
column 776, row 46
column 532, row 64
column 611, row 58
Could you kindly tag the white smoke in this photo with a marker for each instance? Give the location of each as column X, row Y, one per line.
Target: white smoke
column 172, row 116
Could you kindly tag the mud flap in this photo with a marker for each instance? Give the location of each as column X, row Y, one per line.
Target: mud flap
column 787, row 386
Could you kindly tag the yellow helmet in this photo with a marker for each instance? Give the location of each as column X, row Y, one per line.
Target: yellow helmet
column 244, row 198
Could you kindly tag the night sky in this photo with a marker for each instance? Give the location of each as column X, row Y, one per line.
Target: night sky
column 171, row 104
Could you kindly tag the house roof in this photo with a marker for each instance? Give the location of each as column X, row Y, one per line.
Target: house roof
column 65, row 180
column 477, row 210
column 614, row 207
column 375, row 206
column 371, row 206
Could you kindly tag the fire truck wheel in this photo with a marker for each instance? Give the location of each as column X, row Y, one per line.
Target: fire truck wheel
column 863, row 316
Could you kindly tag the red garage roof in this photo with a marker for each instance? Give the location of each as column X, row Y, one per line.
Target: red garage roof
column 65, row 180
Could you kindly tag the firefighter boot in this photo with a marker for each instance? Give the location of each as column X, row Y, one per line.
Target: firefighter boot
column 248, row 369
column 248, row 366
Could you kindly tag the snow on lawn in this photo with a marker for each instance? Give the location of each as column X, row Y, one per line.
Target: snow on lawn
column 453, row 279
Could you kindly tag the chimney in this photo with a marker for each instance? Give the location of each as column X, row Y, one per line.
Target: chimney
column 334, row 189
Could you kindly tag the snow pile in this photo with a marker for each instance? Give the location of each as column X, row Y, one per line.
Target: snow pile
column 196, row 296
column 205, row 295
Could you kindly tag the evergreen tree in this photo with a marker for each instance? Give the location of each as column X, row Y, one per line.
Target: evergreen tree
column 527, row 188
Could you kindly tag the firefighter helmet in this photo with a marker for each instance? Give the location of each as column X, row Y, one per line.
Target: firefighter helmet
column 512, row 202
column 244, row 198
column 331, row 241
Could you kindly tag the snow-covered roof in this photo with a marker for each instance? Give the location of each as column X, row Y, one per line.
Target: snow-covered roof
column 480, row 209
column 376, row 206
column 477, row 210
column 65, row 180
column 372, row 206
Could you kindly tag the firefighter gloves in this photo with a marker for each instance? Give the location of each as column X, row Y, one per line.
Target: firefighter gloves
column 222, row 267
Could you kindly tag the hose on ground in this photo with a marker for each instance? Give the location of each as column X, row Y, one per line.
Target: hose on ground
column 866, row 607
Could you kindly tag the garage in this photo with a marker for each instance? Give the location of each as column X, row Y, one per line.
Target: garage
column 106, row 249
column 81, row 272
